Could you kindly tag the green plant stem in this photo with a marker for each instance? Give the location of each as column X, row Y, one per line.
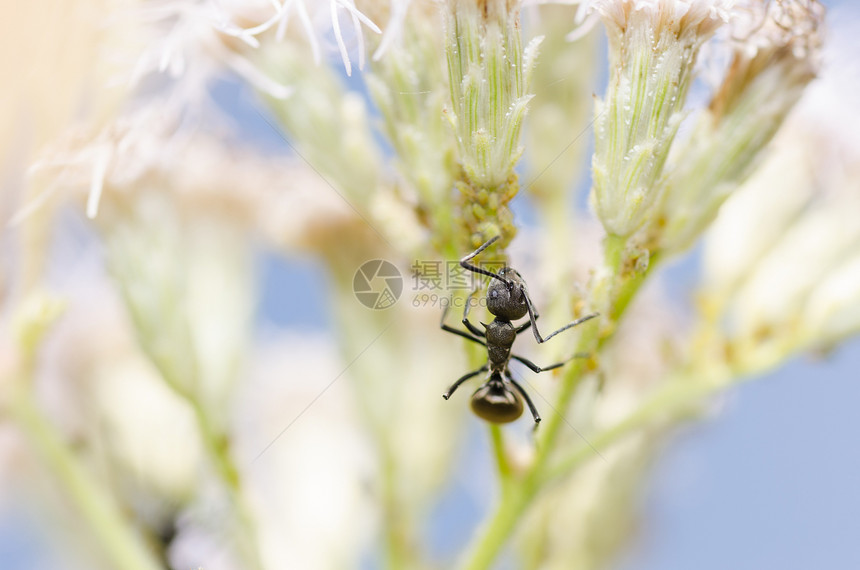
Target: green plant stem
column 215, row 442
column 613, row 252
column 628, row 289
column 587, row 342
column 518, row 494
column 398, row 553
column 515, row 499
column 612, row 293
column 502, row 463
column 122, row 545
column 674, row 398
column 590, row 340
column 218, row 449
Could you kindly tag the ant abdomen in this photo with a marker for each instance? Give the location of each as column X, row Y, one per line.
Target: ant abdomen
column 496, row 403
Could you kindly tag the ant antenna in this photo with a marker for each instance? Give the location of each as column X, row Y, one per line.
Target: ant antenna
column 464, row 263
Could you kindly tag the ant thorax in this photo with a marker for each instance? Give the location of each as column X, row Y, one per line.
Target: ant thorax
column 500, row 338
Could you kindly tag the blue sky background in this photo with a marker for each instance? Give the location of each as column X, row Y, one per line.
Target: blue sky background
column 773, row 481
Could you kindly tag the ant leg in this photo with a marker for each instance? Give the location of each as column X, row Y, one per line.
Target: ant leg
column 525, row 396
column 538, row 369
column 533, row 318
column 463, row 334
column 527, row 324
column 468, row 324
column 452, row 330
column 462, row 379
column 464, row 263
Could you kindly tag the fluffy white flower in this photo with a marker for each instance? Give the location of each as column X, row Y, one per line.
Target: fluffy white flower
column 783, row 252
column 187, row 40
column 681, row 13
column 766, row 71
column 653, row 47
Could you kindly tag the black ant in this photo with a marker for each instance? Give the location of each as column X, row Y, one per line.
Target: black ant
column 507, row 300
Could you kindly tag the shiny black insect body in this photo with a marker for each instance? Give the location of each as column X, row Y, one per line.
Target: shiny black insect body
column 507, row 300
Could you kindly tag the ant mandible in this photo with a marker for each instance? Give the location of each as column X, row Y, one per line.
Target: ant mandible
column 507, row 300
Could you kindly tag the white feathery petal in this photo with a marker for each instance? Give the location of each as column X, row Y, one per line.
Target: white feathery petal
column 257, row 78
column 186, row 42
column 358, row 18
column 394, row 29
column 249, row 33
column 339, row 37
column 103, row 157
column 284, row 20
column 583, row 26
column 350, row 7
column 309, row 30
column 360, row 37
column 122, row 152
column 685, row 13
column 40, row 200
column 230, row 29
column 312, row 26
column 757, row 25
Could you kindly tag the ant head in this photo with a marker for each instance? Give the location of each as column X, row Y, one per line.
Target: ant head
column 507, row 299
column 496, row 403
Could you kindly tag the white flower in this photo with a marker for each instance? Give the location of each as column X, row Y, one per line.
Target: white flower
column 189, row 40
column 315, row 22
column 53, row 50
column 770, row 67
column 781, row 259
column 590, row 11
column 489, row 73
column 186, row 40
column 653, row 47
column 760, row 25
column 395, row 27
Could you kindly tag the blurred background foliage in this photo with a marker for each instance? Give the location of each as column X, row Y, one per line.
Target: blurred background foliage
column 187, row 378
